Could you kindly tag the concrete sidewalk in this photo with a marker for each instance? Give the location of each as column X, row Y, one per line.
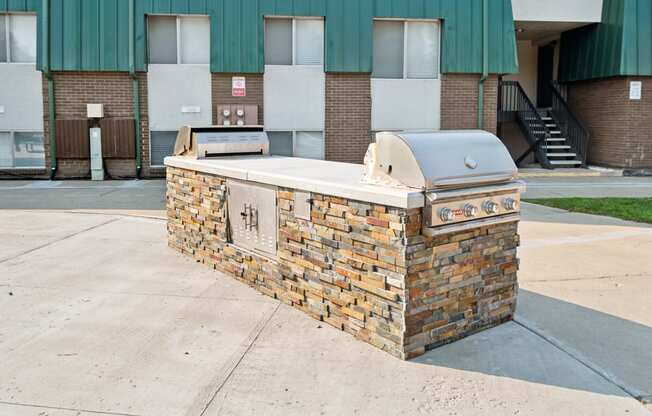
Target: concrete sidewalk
column 590, row 187
column 135, row 195
column 586, row 285
column 100, row 317
column 149, row 195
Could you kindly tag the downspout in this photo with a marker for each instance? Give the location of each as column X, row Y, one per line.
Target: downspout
column 135, row 86
column 485, row 62
column 48, row 76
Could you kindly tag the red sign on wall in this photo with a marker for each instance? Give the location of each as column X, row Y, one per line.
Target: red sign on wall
column 238, row 87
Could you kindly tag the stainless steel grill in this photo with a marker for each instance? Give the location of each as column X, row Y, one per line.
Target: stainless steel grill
column 466, row 175
column 206, row 142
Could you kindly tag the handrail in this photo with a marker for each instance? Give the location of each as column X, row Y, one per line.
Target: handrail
column 577, row 135
column 514, row 100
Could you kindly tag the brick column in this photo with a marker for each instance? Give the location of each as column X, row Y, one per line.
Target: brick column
column 73, row 90
column 221, row 93
column 348, row 117
column 459, row 102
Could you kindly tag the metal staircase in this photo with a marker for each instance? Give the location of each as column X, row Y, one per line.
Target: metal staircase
column 554, row 135
column 557, row 150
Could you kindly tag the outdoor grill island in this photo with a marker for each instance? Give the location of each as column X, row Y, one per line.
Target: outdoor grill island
column 414, row 249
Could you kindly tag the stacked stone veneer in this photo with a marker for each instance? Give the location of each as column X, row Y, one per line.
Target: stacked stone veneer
column 363, row 268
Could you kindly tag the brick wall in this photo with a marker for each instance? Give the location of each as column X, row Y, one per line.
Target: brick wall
column 221, row 92
column 146, row 170
column 459, row 102
column 348, row 117
column 348, row 109
column 73, row 90
column 620, row 128
column 365, row 269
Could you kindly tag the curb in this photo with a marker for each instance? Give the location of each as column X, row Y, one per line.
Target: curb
column 592, row 172
column 639, row 173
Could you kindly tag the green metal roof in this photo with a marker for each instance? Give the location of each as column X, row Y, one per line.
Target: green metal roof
column 619, row 46
column 93, row 35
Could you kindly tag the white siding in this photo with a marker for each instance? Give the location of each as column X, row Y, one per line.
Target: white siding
column 579, row 11
column 21, row 96
column 294, row 97
column 405, row 104
column 175, row 93
column 528, row 71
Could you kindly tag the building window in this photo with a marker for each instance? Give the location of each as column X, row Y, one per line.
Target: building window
column 179, row 39
column 17, row 38
column 22, row 150
column 305, row 144
column 297, row 41
column 161, row 145
column 406, row 49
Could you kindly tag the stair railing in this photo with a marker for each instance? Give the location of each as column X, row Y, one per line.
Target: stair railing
column 577, row 136
column 515, row 105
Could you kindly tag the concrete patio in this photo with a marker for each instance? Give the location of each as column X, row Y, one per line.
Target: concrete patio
column 100, row 317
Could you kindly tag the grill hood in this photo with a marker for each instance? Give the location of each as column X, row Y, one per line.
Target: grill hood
column 439, row 160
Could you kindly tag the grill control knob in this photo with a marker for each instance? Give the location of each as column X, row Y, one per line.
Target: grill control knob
column 470, row 211
column 446, row 214
column 490, row 207
column 510, row 204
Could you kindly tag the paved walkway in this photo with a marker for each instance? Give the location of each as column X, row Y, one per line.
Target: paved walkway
column 588, row 187
column 86, row 195
column 100, row 317
column 150, row 194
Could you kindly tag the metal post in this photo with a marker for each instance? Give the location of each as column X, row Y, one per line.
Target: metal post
column 485, row 62
column 135, row 86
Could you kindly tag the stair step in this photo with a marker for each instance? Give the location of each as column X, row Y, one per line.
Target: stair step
column 557, row 147
column 556, row 139
column 561, row 154
column 565, row 162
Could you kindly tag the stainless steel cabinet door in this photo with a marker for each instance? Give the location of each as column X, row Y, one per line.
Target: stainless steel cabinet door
column 253, row 216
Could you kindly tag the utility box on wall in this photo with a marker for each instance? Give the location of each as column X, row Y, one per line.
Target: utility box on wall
column 95, row 110
column 237, row 115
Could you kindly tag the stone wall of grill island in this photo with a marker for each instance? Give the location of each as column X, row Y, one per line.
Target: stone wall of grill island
column 363, row 268
column 458, row 284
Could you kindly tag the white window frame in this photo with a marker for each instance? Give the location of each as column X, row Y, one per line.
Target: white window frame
column 12, row 138
column 294, row 138
column 178, row 26
column 294, row 41
column 8, row 38
column 405, row 46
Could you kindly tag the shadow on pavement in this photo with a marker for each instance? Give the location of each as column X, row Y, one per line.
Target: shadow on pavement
column 619, row 347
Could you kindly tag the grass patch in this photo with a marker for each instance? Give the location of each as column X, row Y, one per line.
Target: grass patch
column 631, row 209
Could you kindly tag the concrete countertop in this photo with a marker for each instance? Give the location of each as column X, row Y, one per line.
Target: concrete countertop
column 319, row 176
